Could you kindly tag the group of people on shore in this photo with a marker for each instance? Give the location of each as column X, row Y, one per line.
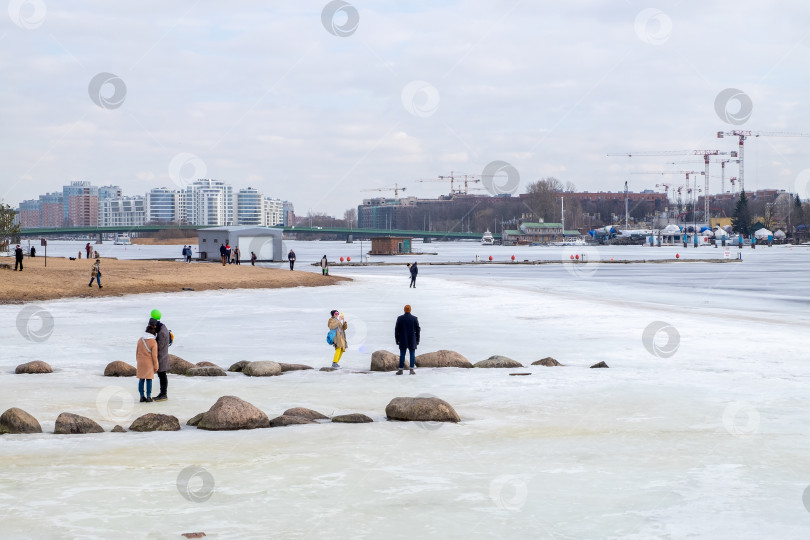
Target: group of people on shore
column 231, row 256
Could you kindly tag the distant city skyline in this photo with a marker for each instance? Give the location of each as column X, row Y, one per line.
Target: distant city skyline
column 318, row 106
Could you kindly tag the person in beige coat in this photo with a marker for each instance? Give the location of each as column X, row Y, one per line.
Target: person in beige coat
column 146, row 357
column 339, row 325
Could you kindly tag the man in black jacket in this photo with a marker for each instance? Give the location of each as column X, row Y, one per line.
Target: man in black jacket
column 414, row 271
column 406, row 334
column 163, row 341
column 18, row 258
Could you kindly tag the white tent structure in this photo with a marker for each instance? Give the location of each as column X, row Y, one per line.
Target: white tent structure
column 763, row 234
column 720, row 233
column 780, row 234
column 671, row 229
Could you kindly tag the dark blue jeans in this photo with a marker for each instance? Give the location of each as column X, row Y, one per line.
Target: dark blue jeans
column 402, row 358
column 148, row 387
column 97, row 278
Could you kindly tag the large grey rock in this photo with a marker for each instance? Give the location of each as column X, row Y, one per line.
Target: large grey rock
column 231, row 413
column 547, row 361
column 600, row 365
column 293, row 367
column 421, row 409
column 194, row 420
column 119, row 369
column 303, row 412
column 207, row 371
column 206, row 364
column 353, row 418
column 72, row 424
column 498, row 361
column 16, row 420
column 37, row 366
column 178, row 366
column 442, row 358
column 384, row 361
column 118, row 429
column 263, row 368
column 155, row 422
column 285, row 420
column 237, row 367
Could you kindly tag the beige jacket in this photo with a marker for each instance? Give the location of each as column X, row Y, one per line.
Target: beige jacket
column 146, row 356
column 340, row 335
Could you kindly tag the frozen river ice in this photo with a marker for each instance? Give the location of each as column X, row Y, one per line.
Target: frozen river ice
column 697, row 430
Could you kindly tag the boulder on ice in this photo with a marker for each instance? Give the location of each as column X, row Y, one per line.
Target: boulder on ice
column 421, row 409
column 264, row 368
column 498, row 361
column 72, row 424
column 547, row 361
column 155, row 422
column 303, row 412
column 119, row 369
column 384, row 361
column 232, row 413
column 37, row 366
column 442, row 358
column 15, row 421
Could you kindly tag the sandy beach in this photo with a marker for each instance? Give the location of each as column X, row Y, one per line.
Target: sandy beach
column 63, row 278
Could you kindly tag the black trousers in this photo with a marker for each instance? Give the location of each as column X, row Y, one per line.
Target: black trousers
column 18, row 262
column 413, row 281
column 164, row 382
column 292, row 263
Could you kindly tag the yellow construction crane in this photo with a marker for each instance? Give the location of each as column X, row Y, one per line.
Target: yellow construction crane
column 396, row 189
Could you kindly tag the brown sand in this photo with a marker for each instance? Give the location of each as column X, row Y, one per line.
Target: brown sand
column 63, row 278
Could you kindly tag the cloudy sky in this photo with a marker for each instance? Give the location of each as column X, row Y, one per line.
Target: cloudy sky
column 315, row 101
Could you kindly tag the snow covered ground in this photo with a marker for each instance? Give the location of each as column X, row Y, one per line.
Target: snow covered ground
column 698, row 429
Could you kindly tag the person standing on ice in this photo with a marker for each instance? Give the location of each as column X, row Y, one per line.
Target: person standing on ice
column 324, row 266
column 252, row 259
column 291, row 258
column 222, row 253
column 414, row 271
column 146, row 360
column 407, row 334
column 338, row 324
column 164, row 339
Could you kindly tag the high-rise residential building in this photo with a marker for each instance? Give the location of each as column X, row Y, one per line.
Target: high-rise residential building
column 249, row 207
column 210, row 202
column 289, row 214
column 30, row 214
column 164, row 205
column 122, row 212
column 110, row 192
column 51, row 209
column 272, row 212
column 80, row 204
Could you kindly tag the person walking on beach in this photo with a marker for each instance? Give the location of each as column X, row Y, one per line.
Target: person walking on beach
column 338, row 324
column 164, row 339
column 236, row 255
column 324, row 266
column 252, row 259
column 414, row 271
column 89, row 250
column 18, row 258
column 222, row 253
column 228, row 252
column 188, row 254
column 146, row 360
column 95, row 273
column 291, row 258
column 407, row 334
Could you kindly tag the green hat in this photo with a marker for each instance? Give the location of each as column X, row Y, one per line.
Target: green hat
column 155, row 314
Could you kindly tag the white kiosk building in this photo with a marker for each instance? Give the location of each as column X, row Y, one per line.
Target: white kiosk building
column 265, row 242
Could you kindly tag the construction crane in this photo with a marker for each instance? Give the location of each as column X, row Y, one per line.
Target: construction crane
column 396, row 189
column 723, row 174
column 686, row 173
column 704, row 153
column 742, row 135
column 453, row 178
column 733, row 181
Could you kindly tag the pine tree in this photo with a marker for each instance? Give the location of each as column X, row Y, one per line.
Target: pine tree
column 798, row 215
column 741, row 222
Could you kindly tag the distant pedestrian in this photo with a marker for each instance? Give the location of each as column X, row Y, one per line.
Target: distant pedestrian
column 407, row 334
column 338, row 324
column 33, row 251
column 228, row 253
column 222, row 253
column 188, row 255
column 95, row 273
column 18, row 258
column 252, row 259
column 324, row 266
column 184, row 253
column 236, row 255
column 146, row 360
column 291, row 258
column 753, row 242
column 414, row 271
column 89, row 250
column 164, row 339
